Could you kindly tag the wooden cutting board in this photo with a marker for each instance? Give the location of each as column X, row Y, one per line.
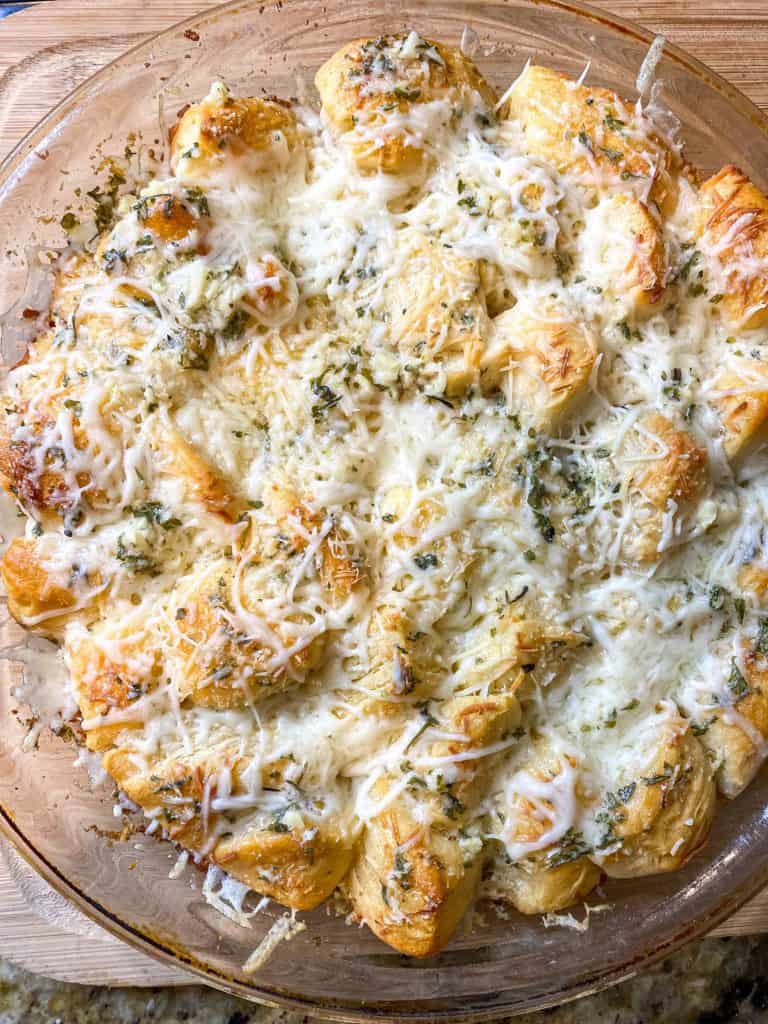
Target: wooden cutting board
column 49, row 47
column 46, row 50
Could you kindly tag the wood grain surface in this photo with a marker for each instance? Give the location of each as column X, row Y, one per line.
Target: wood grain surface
column 87, row 955
column 46, row 50
column 729, row 35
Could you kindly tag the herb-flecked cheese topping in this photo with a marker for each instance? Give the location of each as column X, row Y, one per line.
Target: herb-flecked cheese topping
column 394, row 485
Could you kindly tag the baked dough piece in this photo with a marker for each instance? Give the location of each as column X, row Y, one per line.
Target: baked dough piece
column 623, row 252
column 174, row 788
column 740, row 396
column 380, row 93
column 542, row 361
column 732, row 224
column 392, row 667
column 590, row 133
column 295, row 857
column 200, row 482
column 43, row 592
column 62, row 434
column 169, row 219
column 220, row 668
column 338, row 570
column 416, row 874
column 259, row 134
column 54, row 460
column 112, row 667
column 189, row 654
column 31, row 469
column 397, row 662
column 516, row 638
column 535, row 885
column 662, row 817
column 679, row 473
column 73, row 271
column 57, row 437
column 737, row 735
column 218, row 637
column 668, row 483
column 437, row 316
column 299, row 868
column 753, row 578
column 553, row 876
column 213, row 663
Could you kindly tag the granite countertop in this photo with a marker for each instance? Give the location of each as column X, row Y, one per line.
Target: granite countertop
column 712, row 981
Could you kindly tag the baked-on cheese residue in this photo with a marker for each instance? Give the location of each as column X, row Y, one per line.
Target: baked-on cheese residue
column 395, row 487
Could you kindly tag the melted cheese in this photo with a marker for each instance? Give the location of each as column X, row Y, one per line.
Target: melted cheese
column 264, row 339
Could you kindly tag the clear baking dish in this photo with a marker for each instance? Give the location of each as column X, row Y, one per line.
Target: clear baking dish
column 48, row 807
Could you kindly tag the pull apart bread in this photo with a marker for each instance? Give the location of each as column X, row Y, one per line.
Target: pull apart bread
column 394, row 485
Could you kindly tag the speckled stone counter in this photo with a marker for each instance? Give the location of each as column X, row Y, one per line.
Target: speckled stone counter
column 711, row 982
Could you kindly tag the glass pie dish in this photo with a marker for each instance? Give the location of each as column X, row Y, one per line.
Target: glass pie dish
column 62, row 823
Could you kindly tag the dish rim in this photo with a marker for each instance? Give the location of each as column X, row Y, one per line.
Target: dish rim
column 162, row 950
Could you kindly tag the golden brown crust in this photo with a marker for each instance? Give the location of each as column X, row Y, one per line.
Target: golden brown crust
column 34, row 594
column 736, row 736
column 299, row 866
column 46, row 489
column 410, row 885
column 201, row 481
column 647, row 268
column 212, row 132
column 741, row 399
column 296, row 869
column 754, row 579
column 104, row 683
column 643, row 276
column 339, row 572
column 533, row 886
column 543, row 362
column 669, row 482
column 578, row 129
column 169, row 220
column 551, row 878
column 172, row 792
column 681, row 471
column 436, row 312
column 413, row 881
column 45, row 447
column 667, row 817
column 732, row 224
column 367, row 80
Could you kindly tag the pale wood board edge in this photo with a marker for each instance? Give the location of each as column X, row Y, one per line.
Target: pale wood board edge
column 39, row 946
